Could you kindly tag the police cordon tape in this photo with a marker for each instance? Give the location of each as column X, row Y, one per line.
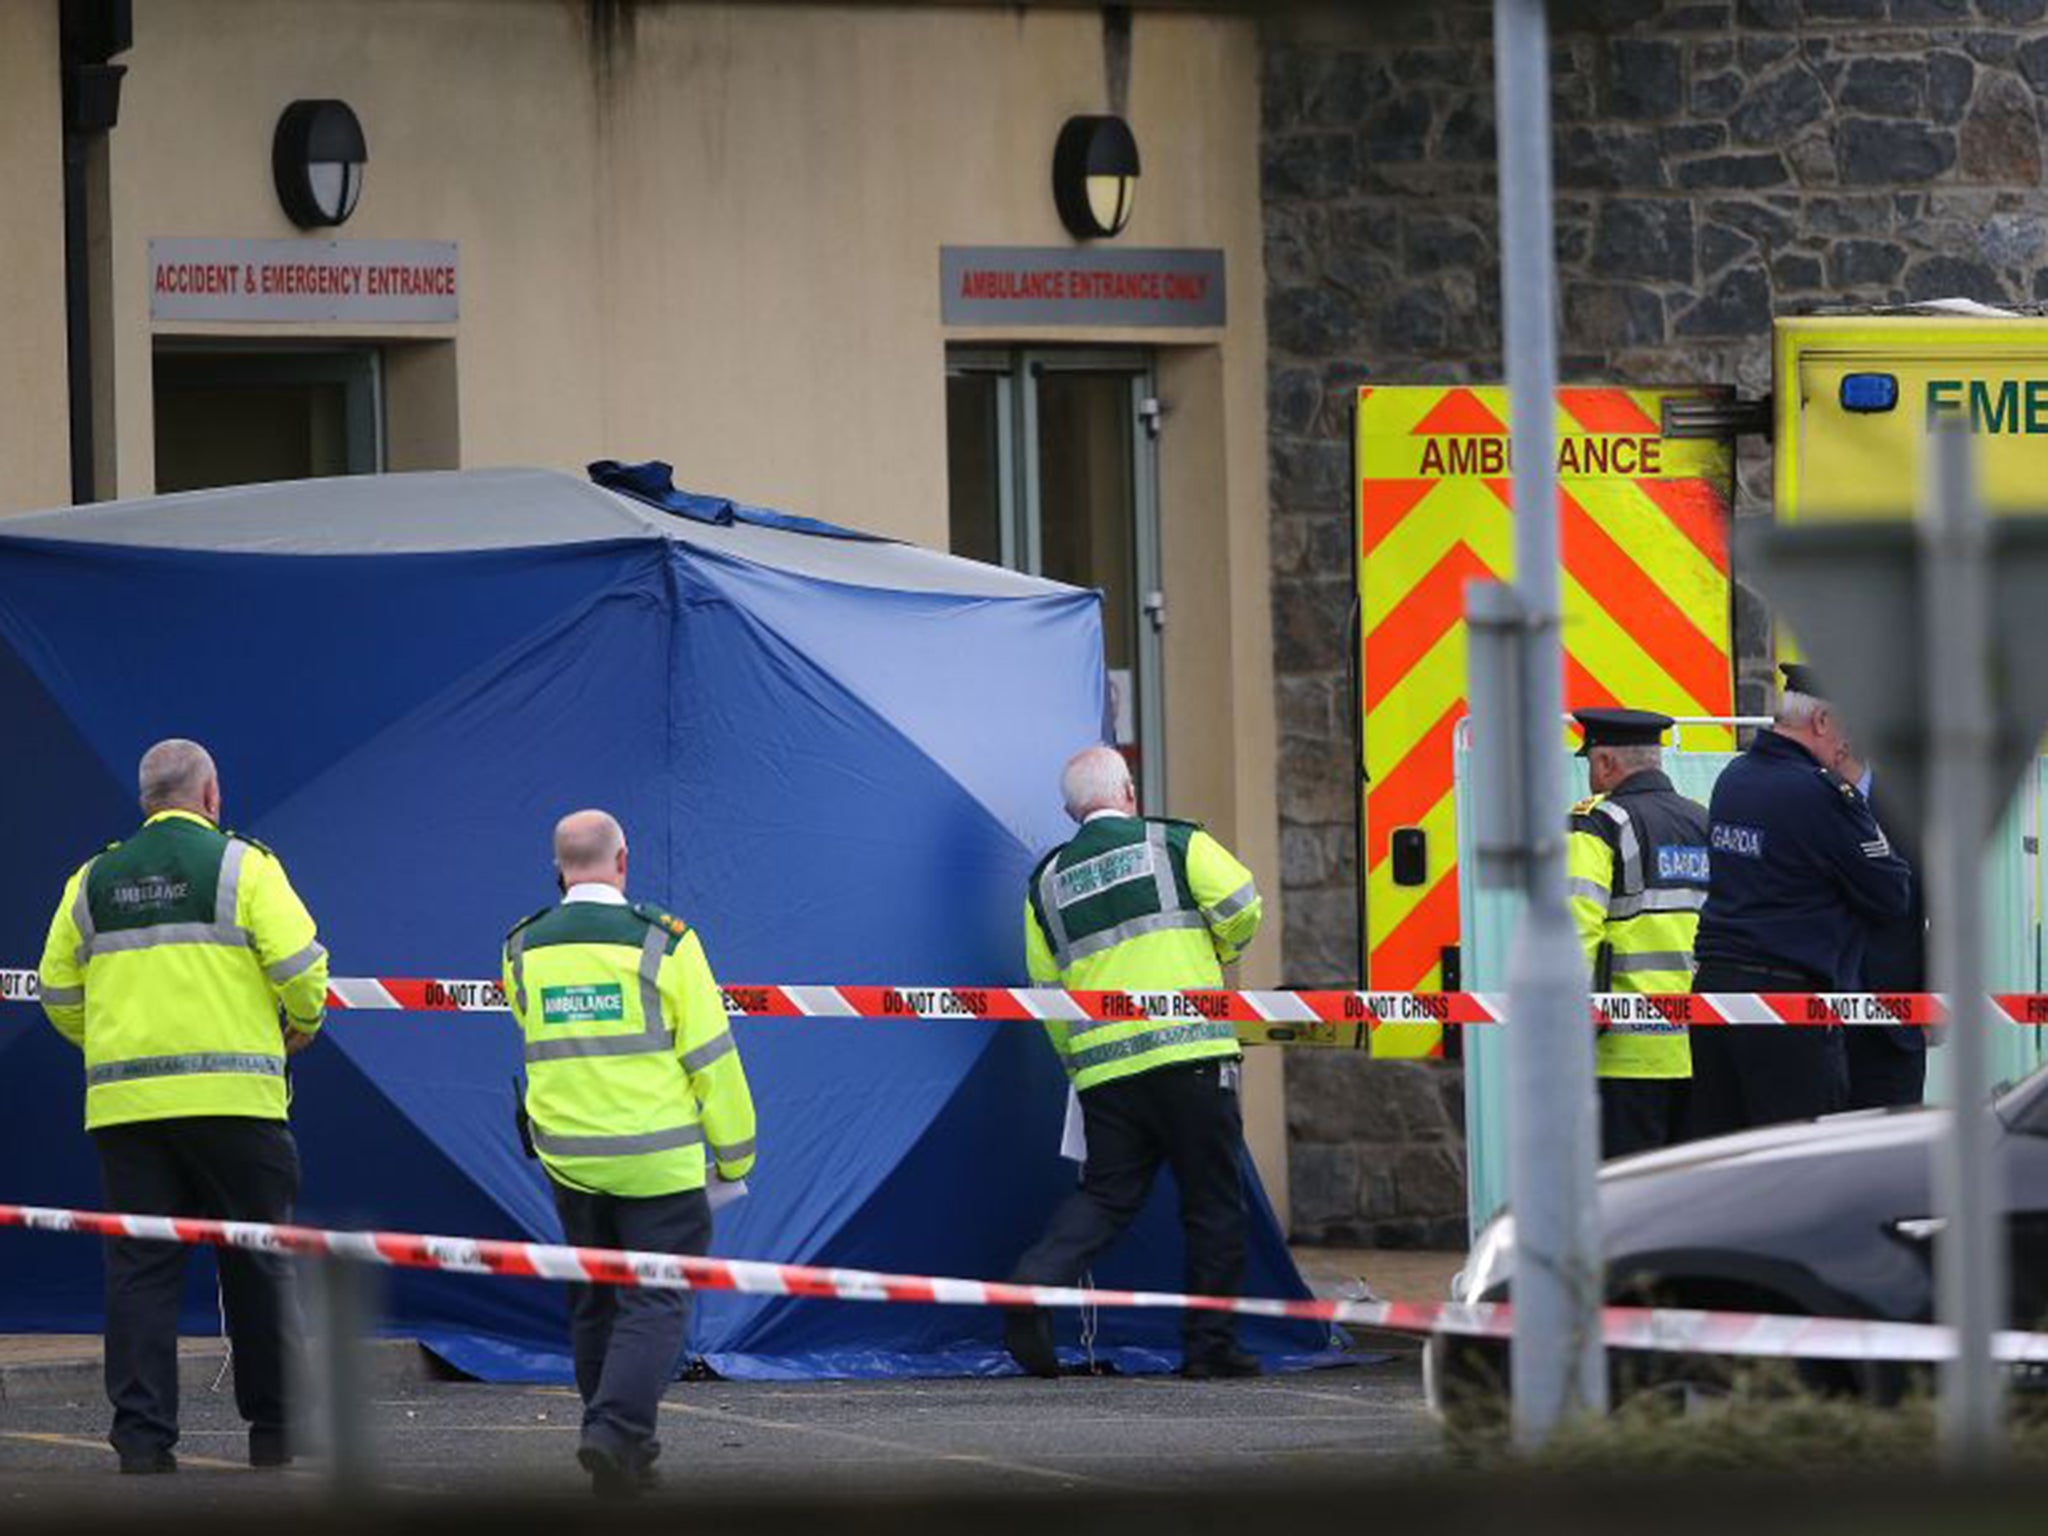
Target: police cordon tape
column 1334, row 1018
column 1672, row 1330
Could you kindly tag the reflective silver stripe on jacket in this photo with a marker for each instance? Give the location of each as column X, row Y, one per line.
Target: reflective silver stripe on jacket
column 515, row 961
column 81, row 914
column 1631, row 850
column 61, row 997
column 1134, row 928
column 227, row 890
column 1233, row 904
column 1049, row 909
column 1666, row 898
column 282, row 971
column 710, row 1051
column 128, row 939
column 653, row 945
column 1653, row 960
column 1163, row 888
column 1592, row 890
column 654, row 1036
column 1150, row 1040
column 199, row 1062
column 672, row 1140
column 734, row 1152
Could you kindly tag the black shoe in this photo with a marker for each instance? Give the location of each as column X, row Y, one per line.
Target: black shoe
column 1028, row 1338
column 612, row 1478
column 1218, row 1364
column 269, row 1448
column 148, row 1464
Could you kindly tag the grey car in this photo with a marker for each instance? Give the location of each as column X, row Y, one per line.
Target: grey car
column 1831, row 1217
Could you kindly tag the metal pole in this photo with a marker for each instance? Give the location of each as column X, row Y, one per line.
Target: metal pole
column 1558, row 1367
column 341, row 1388
column 1970, row 1253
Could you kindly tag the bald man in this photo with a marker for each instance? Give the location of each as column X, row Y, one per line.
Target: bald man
column 186, row 969
column 635, row 1094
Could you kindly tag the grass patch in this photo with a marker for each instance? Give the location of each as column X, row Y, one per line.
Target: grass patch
column 1763, row 1420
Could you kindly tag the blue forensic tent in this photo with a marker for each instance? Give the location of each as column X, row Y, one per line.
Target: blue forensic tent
column 836, row 756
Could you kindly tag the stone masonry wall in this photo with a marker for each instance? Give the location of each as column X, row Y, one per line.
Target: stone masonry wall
column 1717, row 162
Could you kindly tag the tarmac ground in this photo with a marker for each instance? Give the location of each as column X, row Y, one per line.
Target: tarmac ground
column 1011, row 1436
column 433, row 1439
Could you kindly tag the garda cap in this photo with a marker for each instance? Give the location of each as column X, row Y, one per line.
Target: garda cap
column 1800, row 678
column 1621, row 728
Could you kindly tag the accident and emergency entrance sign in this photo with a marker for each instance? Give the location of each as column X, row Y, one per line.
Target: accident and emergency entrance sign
column 1644, row 522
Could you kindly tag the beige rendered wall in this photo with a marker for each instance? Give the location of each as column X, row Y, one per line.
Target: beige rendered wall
column 35, row 452
column 710, row 233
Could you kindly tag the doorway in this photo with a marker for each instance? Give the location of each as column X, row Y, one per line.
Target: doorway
column 1052, row 469
column 238, row 416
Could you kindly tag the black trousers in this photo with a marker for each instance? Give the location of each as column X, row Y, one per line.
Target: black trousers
column 230, row 1168
column 628, row 1342
column 1186, row 1117
column 1641, row 1114
column 1750, row 1075
column 1882, row 1072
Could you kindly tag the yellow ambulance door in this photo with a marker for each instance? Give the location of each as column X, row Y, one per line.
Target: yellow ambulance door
column 1646, row 617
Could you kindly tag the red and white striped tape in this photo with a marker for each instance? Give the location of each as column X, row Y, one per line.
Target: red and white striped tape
column 1749, row 1334
column 1306, row 1017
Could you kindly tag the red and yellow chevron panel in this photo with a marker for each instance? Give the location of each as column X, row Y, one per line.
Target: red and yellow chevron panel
column 1646, row 612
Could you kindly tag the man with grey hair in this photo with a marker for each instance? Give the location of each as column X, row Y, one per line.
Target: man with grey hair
column 635, row 1101
column 185, row 967
column 1636, row 873
column 1145, row 905
column 1799, row 872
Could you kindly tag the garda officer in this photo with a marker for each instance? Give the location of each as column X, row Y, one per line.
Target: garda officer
column 1636, row 870
column 169, row 961
column 1888, row 1062
column 632, row 1077
column 1138, row 903
column 1799, row 871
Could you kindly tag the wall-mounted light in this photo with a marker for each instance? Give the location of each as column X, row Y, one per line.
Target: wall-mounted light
column 317, row 159
column 1094, row 176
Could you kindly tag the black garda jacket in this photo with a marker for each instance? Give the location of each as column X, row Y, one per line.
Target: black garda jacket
column 1895, row 958
column 1799, row 869
column 1660, row 852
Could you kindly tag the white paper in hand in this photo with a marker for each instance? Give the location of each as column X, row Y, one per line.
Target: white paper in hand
column 1074, row 1134
column 722, row 1192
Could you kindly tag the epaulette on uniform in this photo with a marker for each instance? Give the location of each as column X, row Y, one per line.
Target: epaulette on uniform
column 668, row 922
column 1840, row 785
column 1176, row 821
column 243, row 837
column 529, row 918
column 1585, row 806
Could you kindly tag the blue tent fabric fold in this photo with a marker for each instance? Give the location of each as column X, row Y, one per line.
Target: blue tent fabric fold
column 837, row 758
column 654, row 483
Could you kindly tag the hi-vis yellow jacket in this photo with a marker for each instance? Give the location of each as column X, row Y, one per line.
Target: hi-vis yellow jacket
column 168, row 962
column 1636, row 874
column 632, row 1070
column 1141, row 905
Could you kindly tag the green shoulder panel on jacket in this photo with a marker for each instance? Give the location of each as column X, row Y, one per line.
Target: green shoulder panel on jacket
column 243, row 837
column 528, row 921
column 585, row 922
column 676, row 929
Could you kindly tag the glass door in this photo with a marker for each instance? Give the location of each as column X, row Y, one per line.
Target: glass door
column 1051, row 470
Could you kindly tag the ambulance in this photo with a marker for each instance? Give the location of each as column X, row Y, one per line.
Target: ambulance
column 1646, row 493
